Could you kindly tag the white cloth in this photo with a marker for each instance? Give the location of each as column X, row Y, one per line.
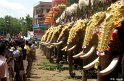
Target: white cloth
column 25, row 64
column 3, row 67
column 16, row 53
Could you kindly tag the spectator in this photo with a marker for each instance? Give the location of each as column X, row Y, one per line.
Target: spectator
column 4, row 74
column 29, row 58
column 33, row 48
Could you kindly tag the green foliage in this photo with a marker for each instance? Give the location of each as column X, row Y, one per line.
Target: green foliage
column 72, row 2
column 9, row 24
column 51, row 67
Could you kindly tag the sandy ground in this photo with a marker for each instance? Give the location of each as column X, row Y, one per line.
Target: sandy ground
column 46, row 75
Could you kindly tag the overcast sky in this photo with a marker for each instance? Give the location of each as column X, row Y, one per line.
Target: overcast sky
column 18, row 8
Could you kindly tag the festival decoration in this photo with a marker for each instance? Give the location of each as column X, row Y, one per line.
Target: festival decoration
column 79, row 25
column 91, row 26
column 64, row 29
column 114, row 14
column 56, row 30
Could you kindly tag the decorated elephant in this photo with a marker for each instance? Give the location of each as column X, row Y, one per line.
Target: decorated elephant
column 44, row 39
column 76, row 35
column 53, row 38
column 54, row 49
column 110, row 48
column 88, row 52
column 61, row 42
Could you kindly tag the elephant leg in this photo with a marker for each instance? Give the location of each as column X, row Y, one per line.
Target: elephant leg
column 122, row 67
column 84, row 75
column 59, row 55
column 47, row 53
column 50, row 55
column 70, row 63
column 44, row 49
column 65, row 56
column 58, row 58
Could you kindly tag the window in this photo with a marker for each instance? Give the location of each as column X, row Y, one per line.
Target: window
column 48, row 10
column 41, row 11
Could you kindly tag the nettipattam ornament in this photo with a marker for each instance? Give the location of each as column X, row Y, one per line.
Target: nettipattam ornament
column 114, row 14
column 92, row 25
column 79, row 25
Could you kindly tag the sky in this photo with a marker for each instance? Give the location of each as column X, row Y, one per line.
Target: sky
column 18, row 8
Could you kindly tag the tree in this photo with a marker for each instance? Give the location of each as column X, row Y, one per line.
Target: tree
column 13, row 26
column 28, row 21
column 72, row 2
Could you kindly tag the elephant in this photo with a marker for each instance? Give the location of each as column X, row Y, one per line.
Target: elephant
column 90, row 41
column 61, row 42
column 74, row 43
column 55, row 50
column 44, row 38
column 46, row 43
column 51, row 39
column 110, row 47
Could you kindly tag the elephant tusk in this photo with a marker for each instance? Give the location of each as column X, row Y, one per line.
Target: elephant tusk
column 41, row 42
column 89, row 66
column 65, row 48
column 51, row 46
column 73, row 47
column 89, row 53
column 46, row 43
column 58, row 43
column 78, row 55
column 111, row 67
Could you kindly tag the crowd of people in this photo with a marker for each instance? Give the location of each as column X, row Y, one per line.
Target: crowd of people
column 16, row 57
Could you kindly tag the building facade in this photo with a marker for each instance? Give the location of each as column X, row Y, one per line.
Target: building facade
column 40, row 11
column 57, row 2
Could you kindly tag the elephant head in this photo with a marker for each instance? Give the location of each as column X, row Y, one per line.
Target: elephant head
column 44, row 37
column 110, row 45
column 47, row 36
column 91, row 38
column 55, row 35
column 64, row 34
column 76, row 35
column 73, row 43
